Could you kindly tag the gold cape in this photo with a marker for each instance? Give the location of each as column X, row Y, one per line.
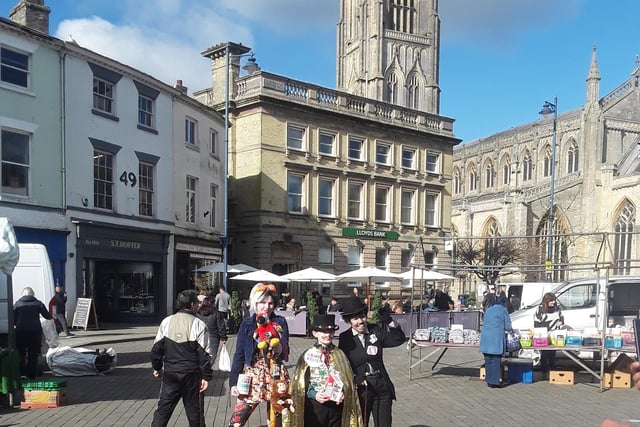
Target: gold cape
column 351, row 413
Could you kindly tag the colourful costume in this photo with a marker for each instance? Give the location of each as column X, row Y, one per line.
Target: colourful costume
column 314, row 371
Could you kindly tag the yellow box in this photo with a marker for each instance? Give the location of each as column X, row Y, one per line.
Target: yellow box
column 51, row 398
column 561, row 377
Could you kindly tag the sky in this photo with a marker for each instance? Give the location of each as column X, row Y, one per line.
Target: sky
column 499, row 59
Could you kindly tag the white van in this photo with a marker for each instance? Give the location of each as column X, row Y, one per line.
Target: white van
column 33, row 270
column 529, row 293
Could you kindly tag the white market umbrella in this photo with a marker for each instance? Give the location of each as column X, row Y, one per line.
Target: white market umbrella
column 422, row 274
column 219, row 268
column 310, row 275
column 368, row 275
column 243, row 268
column 260, row 276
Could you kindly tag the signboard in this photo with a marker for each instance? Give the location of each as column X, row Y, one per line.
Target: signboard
column 84, row 309
column 369, row 234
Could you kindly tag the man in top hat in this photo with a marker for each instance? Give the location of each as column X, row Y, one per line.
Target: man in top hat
column 323, row 391
column 363, row 345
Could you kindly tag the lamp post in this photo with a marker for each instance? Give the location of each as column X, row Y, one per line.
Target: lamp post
column 238, row 52
column 551, row 108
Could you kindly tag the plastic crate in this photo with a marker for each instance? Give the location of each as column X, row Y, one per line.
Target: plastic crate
column 573, row 340
column 540, row 341
column 48, row 384
column 44, row 398
column 520, row 371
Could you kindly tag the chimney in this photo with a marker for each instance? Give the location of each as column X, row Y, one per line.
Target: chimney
column 31, row 13
column 181, row 88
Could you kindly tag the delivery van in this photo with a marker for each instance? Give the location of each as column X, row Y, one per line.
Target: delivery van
column 34, row 270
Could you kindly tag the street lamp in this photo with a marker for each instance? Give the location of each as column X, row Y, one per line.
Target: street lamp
column 238, row 52
column 551, row 108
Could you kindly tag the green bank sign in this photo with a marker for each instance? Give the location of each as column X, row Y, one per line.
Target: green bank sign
column 369, row 234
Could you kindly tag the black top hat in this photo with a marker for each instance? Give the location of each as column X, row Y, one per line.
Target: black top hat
column 353, row 307
column 324, row 323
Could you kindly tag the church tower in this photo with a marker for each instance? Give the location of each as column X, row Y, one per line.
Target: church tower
column 389, row 50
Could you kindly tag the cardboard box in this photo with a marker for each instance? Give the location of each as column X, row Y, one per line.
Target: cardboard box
column 503, row 375
column 44, row 398
column 561, row 377
column 618, row 373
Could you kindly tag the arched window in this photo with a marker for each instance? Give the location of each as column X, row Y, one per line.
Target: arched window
column 392, row 88
column 572, row 158
column 473, row 178
column 558, row 250
column 623, row 238
column 527, row 167
column 548, row 157
column 506, row 171
column 413, row 93
column 457, row 181
column 488, row 174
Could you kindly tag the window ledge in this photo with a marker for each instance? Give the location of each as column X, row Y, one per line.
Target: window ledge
column 147, row 129
column 18, row 89
column 105, row 115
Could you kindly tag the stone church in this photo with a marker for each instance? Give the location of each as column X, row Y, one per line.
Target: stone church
column 505, row 185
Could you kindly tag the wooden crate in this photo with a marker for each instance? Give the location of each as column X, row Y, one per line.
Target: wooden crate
column 503, row 374
column 44, row 398
column 561, row 377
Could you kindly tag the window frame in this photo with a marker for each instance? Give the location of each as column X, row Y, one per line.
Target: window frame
column 103, row 199
column 382, row 205
column 146, row 188
column 433, row 166
column 213, row 202
column 213, row 142
column 299, row 140
column 330, row 135
column 299, row 196
column 146, row 113
column 411, row 208
column 191, row 199
column 413, row 152
column 387, row 159
column 190, row 131
column 323, row 197
column 326, row 259
column 360, row 202
column 14, row 67
column 104, row 101
column 352, row 255
column 434, row 210
column 7, row 164
column 351, row 150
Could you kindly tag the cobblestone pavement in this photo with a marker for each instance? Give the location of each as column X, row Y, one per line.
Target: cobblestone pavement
column 451, row 395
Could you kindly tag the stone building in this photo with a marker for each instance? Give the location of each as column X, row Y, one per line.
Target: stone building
column 502, row 185
column 340, row 179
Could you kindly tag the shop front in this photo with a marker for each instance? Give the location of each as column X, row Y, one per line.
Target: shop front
column 123, row 270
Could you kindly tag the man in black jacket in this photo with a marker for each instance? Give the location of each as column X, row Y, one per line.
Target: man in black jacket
column 180, row 355
column 26, row 313
column 60, row 301
column 363, row 345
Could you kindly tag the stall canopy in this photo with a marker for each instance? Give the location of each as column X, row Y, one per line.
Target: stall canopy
column 260, row 276
column 423, row 274
column 219, row 268
column 310, row 275
column 368, row 275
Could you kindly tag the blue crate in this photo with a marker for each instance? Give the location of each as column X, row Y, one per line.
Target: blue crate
column 520, row 371
column 573, row 340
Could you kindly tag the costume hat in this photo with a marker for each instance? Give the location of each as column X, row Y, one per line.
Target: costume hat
column 324, row 323
column 353, row 307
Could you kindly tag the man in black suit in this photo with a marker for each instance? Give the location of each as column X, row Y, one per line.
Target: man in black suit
column 363, row 345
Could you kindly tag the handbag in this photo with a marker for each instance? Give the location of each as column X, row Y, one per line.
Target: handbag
column 224, row 362
column 513, row 342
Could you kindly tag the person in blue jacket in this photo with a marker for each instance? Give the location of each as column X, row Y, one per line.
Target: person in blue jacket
column 492, row 339
column 249, row 360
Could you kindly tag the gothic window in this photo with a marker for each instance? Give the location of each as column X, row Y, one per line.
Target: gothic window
column 473, row 178
column 547, row 161
column 557, row 252
column 527, row 167
column 506, row 171
column 413, row 93
column 488, row 174
column 392, row 89
column 623, row 239
column 572, row 158
column 457, row 182
column 404, row 15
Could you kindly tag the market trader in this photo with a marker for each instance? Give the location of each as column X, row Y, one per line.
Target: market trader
column 363, row 345
column 180, row 356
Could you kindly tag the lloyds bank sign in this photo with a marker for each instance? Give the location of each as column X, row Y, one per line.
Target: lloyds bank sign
column 369, row 234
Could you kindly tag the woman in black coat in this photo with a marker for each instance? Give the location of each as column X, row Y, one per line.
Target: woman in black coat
column 215, row 324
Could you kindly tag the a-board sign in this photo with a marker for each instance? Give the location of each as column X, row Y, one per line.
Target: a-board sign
column 84, row 309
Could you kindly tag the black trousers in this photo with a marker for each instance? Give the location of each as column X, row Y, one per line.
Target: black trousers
column 318, row 414
column 376, row 399
column 176, row 386
column 28, row 345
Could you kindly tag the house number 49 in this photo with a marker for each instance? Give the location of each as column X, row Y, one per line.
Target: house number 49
column 128, row 178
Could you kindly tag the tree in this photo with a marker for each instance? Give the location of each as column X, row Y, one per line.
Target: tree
column 375, row 306
column 236, row 313
column 487, row 258
column 312, row 308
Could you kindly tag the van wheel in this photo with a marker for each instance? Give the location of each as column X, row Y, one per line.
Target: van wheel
column 530, row 353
